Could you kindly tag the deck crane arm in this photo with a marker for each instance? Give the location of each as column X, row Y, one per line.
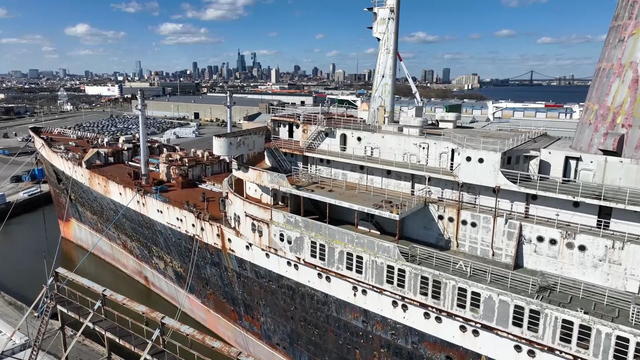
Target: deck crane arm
column 414, row 89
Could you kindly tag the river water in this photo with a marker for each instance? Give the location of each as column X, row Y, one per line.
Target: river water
column 556, row 94
column 28, row 240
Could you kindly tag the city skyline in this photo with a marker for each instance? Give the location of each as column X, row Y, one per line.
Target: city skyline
column 170, row 36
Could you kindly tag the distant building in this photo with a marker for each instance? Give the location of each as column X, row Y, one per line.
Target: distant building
column 339, row 76
column 275, row 76
column 332, row 71
column 107, row 90
column 254, row 60
column 368, row 75
column 296, row 69
column 33, row 73
column 138, row 70
column 427, row 76
column 470, row 81
column 446, row 75
column 314, row 72
column 88, row 74
column 63, row 73
column 195, row 73
column 241, row 64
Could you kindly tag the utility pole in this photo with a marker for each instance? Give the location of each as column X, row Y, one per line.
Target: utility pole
column 229, row 106
column 144, row 148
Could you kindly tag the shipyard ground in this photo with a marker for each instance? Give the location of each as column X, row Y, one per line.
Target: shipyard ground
column 11, row 311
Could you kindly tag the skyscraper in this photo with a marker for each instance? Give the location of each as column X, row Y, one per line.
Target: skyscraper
column 63, row 73
column 195, row 73
column 314, row 72
column 209, row 72
column 275, row 76
column 332, row 71
column 296, row 69
column 138, row 70
column 446, row 75
column 241, row 63
column 254, row 60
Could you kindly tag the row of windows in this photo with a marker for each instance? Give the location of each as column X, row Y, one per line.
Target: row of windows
column 349, row 263
column 463, row 301
column 397, row 278
column 583, row 338
column 435, row 291
column 318, row 251
column 532, row 317
column 621, row 348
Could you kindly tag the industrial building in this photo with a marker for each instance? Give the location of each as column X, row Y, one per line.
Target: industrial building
column 285, row 97
column 209, row 108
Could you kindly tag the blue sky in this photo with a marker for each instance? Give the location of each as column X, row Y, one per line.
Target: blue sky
column 495, row 38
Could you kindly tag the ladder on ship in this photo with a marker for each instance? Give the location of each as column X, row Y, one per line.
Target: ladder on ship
column 49, row 304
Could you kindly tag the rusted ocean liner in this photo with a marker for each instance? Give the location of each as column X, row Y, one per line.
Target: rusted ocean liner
column 333, row 236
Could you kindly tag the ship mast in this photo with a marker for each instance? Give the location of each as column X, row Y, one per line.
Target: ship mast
column 229, row 106
column 385, row 29
column 144, row 148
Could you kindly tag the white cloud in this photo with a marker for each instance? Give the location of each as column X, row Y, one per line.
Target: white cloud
column 218, row 9
column 133, row 7
column 421, row 37
column 475, row 36
column 176, row 33
column 454, row 56
column 320, row 36
column 264, row 52
column 90, row 35
column 371, row 51
column 518, row 3
column 48, row 49
column 86, row 52
column 25, row 39
column 4, row 13
column 316, row 50
column 572, row 39
column 272, row 34
column 333, row 53
column 505, row 33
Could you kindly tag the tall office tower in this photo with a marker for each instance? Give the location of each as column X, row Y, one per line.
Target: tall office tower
column 254, row 60
column 224, row 70
column 194, row 70
column 241, row 63
column 137, row 72
column 33, row 73
column 314, row 72
column 430, row 76
column 296, row 69
column 446, row 75
column 275, row 76
column 332, row 71
column 216, row 70
column 368, row 75
column 209, row 72
column 63, row 73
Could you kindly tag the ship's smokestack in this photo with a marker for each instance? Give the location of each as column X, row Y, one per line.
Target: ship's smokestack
column 385, row 28
column 229, row 106
column 611, row 119
column 144, row 147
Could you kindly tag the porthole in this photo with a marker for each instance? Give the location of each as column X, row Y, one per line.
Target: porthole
column 289, row 241
column 267, row 255
column 576, row 204
column 288, row 263
column 253, row 227
column 320, row 276
column 480, row 160
column 321, row 161
column 295, row 266
column 534, row 197
column 354, row 289
column 438, row 319
column 440, row 217
column 359, row 139
column 468, row 158
column 363, row 292
column 394, row 304
column 582, row 248
column 570, row 245
column 475, row 332
column 517, row 348
column 448, row 357
column 405, row 307
column 361, row 167
column 297, row 126
column 474, row 224
column 327, row 278
column 426, row 315
column 326, row 134
column 464, row 222
column 553, row 242
column 462, row 328
column 247, row 247
column 531, row 353
column 388, row 172
column 281, row 237
column 540, row 238
column 451, row 219
column 328, row 161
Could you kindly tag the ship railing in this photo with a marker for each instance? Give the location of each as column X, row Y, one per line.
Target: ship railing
column 542, row 284
column 503, row 208
column 396, row 202
column 494, row 145
column 370, row 156
column 575, row 188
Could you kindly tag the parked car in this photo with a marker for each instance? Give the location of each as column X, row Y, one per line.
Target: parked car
column 15, row 179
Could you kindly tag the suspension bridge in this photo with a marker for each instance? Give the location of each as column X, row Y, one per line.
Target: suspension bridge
column 532, row 77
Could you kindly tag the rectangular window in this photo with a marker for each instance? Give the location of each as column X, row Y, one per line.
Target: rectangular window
column 533, row 324
column 391, row 274
column 475, row 301
column 566, row 331
column 424, row 285
column 584, row 337
column 636, row 352
column 436, row 290
column 517, row 318
column 508, row 160
column 621, row 348
column 322, row 254
column 359, row 264
column 461, row 298
column 349, row 262
column 314, row 250
column 401, row 277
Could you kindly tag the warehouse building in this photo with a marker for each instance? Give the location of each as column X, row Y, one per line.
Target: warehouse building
column 207, row 108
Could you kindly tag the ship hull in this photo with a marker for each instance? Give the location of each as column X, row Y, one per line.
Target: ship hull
column 255, row 309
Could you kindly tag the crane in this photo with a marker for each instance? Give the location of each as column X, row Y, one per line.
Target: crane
column 414, row 89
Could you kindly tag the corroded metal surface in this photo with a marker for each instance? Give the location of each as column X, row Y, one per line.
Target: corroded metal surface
column 296, row 320
column 612, row 114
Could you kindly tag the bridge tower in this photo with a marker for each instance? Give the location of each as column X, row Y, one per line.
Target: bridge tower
column 611, row 121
